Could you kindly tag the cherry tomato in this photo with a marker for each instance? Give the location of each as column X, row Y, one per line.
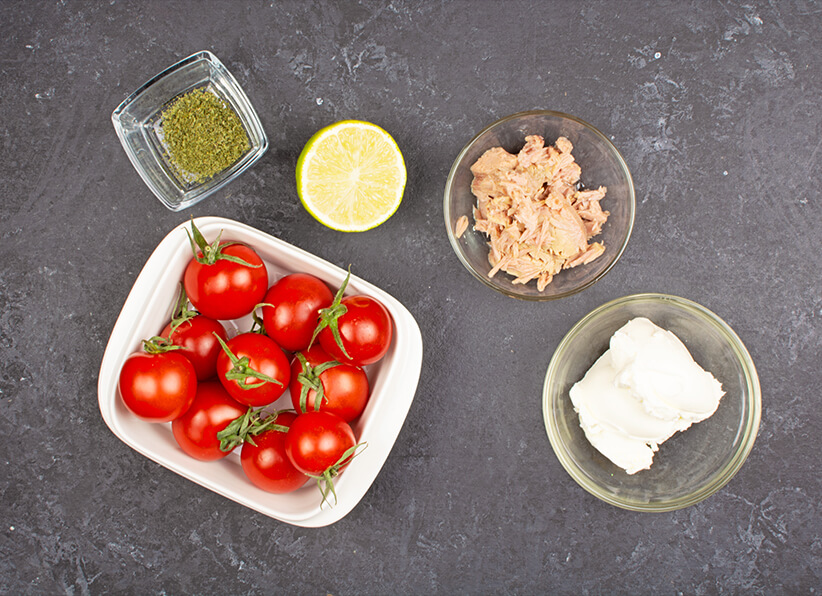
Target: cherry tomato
column 295, row 301
column 158, row 387
column 317, row 442
column 266, row 464
column 196, row 335
column 226, row 289
column 365, row 330
column 344, row 388
column 196, row 430
column 224, row 280
column 257, row 371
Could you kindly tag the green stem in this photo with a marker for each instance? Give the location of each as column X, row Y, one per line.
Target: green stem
column 181, row 312
column 325, row 481
column 242, row 369
column 213, row 252
column 257, row 326
column 309, row 379
column 243, row 428
column 329, row 317
column 159, row 345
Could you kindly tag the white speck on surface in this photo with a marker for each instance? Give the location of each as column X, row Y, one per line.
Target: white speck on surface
column 11, row 528
column 753, row 19
column 45, row 94
column 657, row 56
column 319, row 101
column 725, row 173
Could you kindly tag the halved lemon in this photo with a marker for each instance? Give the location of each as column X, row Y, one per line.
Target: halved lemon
column 351, row 176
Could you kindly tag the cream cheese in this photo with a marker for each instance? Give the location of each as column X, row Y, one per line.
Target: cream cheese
column 645, row 388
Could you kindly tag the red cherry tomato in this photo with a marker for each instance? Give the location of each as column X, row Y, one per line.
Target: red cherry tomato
column 255, row 358
column 227, row 289
column 317, row 441
column 196, row 430
column 344, row 387
column 157, row 387
column 196, row 335
column 295, row 301
column 365, row 330
column 266, row 463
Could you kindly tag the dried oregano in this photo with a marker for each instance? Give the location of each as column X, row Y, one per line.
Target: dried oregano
column 203, row 135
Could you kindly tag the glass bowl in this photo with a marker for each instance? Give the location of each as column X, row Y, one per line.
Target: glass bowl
column 601, row 164
column 691, row 465
column 138, row 124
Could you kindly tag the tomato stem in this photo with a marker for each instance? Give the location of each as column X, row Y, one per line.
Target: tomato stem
column 243, row 428
column 242, row 369
column 158, row 345
column 329, row 317
column 257, row 326
column 208, row 254
column 325, row 481
column 182, row 313
column 310, row 379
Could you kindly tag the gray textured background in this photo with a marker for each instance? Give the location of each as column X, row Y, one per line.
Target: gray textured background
column 716, row 108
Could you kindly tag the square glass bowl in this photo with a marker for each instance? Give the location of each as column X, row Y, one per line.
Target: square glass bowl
column 138, row 124
column 147, row 309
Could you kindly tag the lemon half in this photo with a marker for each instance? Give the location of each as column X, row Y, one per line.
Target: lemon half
column 351, row 176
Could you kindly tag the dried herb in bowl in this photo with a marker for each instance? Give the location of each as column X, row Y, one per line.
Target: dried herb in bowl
column 203, row 136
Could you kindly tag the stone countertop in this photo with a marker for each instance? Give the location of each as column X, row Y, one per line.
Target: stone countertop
column 716, row 109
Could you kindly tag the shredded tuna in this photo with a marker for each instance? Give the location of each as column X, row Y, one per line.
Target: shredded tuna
column 537, row 221
column 462, row 225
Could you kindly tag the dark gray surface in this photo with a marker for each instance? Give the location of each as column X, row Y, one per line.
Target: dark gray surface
column 716, row 108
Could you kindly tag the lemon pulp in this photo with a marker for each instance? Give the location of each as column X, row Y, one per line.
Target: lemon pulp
column 351, row 176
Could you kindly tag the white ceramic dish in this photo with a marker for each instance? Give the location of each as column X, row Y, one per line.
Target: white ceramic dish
column 148, row 308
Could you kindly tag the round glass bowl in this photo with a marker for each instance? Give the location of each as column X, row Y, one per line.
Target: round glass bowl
column 601, row 164
column 691, row 465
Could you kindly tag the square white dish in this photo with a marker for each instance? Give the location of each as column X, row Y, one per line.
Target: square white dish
column 148, row 308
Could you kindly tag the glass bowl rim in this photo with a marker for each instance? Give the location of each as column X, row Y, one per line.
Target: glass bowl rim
column 195, row 57
column 489, row 281
column 751, row 423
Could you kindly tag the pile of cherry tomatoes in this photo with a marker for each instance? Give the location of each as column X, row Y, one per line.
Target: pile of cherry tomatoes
column 215, row 390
